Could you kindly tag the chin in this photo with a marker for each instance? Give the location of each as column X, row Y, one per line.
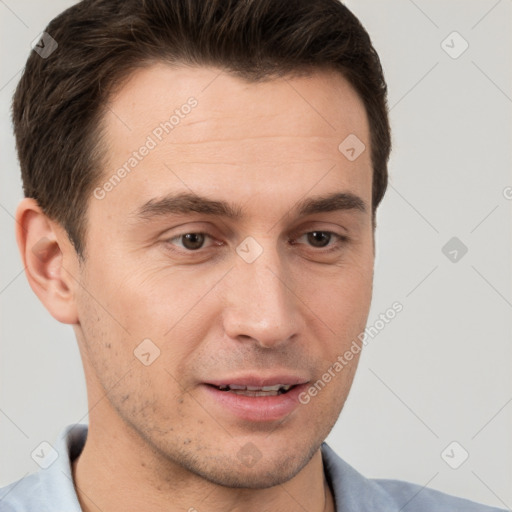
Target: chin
column 262, row 471
column 265, row 477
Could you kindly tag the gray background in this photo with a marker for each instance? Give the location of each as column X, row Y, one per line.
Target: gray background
column 440, row 371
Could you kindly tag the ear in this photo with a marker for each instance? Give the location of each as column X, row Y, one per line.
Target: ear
column 50, row 260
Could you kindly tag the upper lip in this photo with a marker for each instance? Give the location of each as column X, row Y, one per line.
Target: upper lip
column 259, row 381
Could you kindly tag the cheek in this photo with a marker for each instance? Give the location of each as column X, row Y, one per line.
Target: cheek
column 135, row 371
column 157, row 314
column 140, row 300
column 342, row 311
column 341, row 297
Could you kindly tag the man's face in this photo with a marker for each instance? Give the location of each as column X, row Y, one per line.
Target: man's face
column 270, row 297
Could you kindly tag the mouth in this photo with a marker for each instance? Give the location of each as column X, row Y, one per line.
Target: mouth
column 237, row 389
column 255, row 398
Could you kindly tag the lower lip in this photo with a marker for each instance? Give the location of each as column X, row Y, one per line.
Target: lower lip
column 257, row 408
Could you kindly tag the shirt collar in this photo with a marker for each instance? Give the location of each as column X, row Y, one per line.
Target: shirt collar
column 57, row 480
column 352, row 491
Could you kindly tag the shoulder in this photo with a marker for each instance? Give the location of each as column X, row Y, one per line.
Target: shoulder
column 413, row 497
column 51, row 487
column 22, row 495
column 352, row 491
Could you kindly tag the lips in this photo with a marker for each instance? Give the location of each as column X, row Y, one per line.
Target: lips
column 256, row 398
column 277, row 384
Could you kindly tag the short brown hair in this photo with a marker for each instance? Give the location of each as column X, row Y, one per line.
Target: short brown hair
column 59, row 102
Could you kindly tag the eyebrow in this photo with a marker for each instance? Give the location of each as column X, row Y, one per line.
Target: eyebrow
column 189, row 202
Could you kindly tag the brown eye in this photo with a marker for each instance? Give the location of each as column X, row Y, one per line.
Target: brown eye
column 191, row 241
column 319, row 238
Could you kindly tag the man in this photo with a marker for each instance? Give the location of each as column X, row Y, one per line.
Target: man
column 209, row 235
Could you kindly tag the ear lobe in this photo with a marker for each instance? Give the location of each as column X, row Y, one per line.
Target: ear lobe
column 43, row 245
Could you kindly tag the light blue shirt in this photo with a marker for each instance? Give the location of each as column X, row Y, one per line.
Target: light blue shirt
column 52, row 489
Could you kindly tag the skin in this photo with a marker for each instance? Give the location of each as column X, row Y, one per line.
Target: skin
column 157, row 441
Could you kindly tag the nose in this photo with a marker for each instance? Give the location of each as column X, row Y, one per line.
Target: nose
column 260, row 303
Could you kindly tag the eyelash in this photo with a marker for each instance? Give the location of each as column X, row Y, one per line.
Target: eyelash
column 342, row 239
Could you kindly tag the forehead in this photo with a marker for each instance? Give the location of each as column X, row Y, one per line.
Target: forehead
column 151, row 94
column 238, row 137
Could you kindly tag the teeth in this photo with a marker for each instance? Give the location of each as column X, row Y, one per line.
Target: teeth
column 247, row 392
column 262, row 390
column 253, row 388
